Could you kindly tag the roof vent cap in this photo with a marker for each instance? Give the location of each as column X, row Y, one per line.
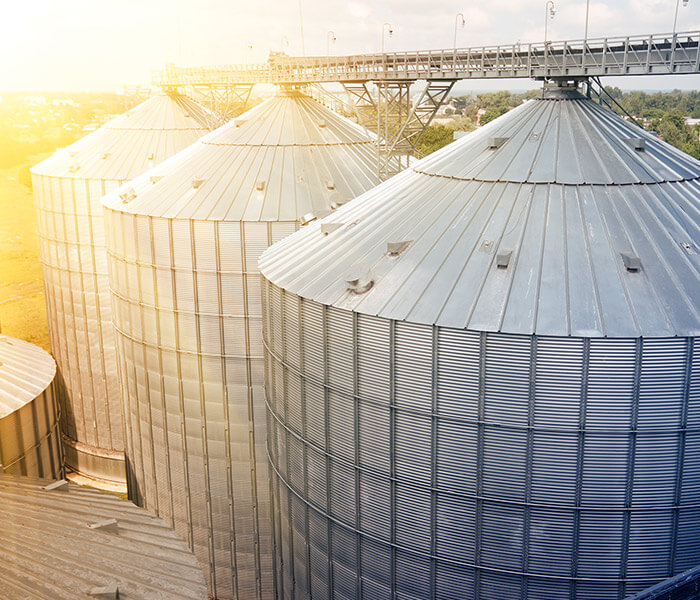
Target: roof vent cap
column 197, row 182
column 358, row 280
column 496, row 142
column 128, row 195
column 260, row 185
column 637, row 143
column 503, row 259
column 105, row 155
column 61, row 484
column 106, row 525
column 73, row 168
column 631, row 261
column 107, row 592
column 151, row 156
column 155, row 178
column 321, row 123
column 330, row 184
column 337, row 199
column 307, row 218
column 396, row 248
column 238, row 122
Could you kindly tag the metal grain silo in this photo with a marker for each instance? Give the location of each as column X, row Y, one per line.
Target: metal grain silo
column 68, row 187
column 183, row 241
column 483, row 376
column 64, row 542
column 29, row 436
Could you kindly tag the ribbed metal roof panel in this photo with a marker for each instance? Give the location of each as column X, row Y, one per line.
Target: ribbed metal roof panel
column 571, row 141
column 564, row 206
column 25, row 372
column 283, row 159
column 50, row 551
column 131, row 143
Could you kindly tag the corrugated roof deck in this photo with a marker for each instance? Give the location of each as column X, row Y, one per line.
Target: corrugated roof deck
column 556, row 190
column 131, row 143
column 25, row 372
column 283, row 159
column 50, row 552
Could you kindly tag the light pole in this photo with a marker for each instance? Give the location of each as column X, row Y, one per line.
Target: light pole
column 585, row 34
column 675, row 16
column 284, row 43
column 330, row 39
column 549, row 13
column 459, row 18
column 301, row 28
column 390, row 30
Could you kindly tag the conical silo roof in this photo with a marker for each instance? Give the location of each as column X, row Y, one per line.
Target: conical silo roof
column 284, row 159
column 133, row 142
column 558, row 218
column 64, row 542
column 25, row 372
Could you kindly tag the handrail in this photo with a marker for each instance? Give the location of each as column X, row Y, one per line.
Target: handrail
column 656, row 54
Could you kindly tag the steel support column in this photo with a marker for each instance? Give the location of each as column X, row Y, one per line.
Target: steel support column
column 398, row 122
column 225, row 99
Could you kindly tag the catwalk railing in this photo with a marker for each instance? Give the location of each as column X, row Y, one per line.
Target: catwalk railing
column 654, row 54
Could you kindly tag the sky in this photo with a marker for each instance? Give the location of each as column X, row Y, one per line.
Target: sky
column 76, row 45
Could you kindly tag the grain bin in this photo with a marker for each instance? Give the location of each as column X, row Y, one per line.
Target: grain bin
column 484, row 381
column 64, row 542
column 29, row 437
column 183, row 242
column 68, row 187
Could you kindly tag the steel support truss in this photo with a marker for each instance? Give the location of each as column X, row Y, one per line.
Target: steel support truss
column 227, row 100
column 398, row 122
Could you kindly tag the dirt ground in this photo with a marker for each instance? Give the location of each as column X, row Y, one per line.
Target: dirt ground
column 22, row 307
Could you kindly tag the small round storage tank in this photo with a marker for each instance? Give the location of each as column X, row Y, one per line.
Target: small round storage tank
column 29, row 436
column 484, row 381
column 183, row 241
column 68, row 187
column 64, row 542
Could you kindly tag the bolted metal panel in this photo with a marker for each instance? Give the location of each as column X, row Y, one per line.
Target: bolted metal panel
column 473, row 429
column 188, row 321
column 567, row 461
column 67, row 190
column 64, row 542
column 29, row 435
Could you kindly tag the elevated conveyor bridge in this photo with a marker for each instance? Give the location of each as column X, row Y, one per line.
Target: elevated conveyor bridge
column 398, row 121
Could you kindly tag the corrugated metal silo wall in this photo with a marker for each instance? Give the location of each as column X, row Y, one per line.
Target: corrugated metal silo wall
column 187, row 311
column 74, row 265
column 411, row 461
column 30, row 443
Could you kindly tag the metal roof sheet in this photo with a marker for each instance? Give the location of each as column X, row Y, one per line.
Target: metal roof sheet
column 62, row 544
column 133, row 142
column 283, row 159
column 574, row 208
column 570, row 141
column 25, row 372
